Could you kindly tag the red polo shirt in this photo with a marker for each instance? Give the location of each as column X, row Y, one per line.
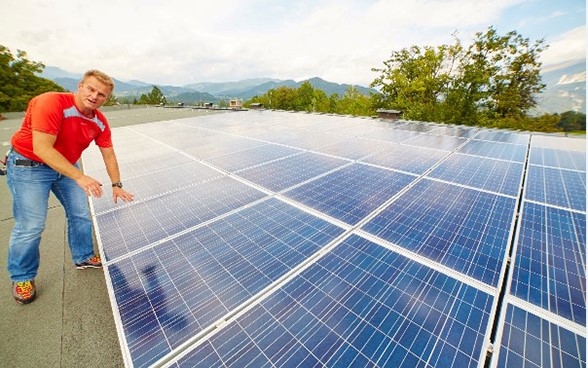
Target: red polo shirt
column 56, row 113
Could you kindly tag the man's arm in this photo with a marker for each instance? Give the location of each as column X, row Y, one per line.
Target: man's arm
column 43, row 148
column 113, row 171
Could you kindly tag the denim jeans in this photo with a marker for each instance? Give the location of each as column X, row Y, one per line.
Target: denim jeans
column 30, row 187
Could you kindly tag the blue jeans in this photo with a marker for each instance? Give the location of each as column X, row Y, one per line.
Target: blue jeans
column 30, row 187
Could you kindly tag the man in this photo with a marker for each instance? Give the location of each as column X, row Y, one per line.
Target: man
column 56, row 129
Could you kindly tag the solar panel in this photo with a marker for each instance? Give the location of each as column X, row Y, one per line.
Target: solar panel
column 461, row 228
column 550, row 261
column 281, row 239
column 531, row 341
column 361, row 305
column 493, row 175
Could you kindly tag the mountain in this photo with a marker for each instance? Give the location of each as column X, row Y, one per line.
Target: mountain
column 229, row 88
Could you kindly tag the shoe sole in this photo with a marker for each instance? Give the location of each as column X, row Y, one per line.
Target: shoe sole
column 25, row 301
column 87, row 266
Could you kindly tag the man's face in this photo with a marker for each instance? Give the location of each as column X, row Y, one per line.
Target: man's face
column 93, row 93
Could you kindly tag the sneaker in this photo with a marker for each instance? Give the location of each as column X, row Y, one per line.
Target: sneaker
column 24, row 291
column 92, row 262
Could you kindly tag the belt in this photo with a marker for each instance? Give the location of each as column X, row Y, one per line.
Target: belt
column 25, row 161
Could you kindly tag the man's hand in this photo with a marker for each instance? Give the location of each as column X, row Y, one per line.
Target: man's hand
column 122, row 194
column 91, row 186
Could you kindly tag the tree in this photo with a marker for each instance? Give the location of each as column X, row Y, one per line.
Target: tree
column 572, row 120
column 496, row 77
column 155, row 97
column 18, row 82
column 354, row 103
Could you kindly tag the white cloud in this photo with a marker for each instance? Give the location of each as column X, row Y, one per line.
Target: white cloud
column 180, row 42
column 570, row 46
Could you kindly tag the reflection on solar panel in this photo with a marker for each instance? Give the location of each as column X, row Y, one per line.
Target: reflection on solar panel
column 275, row 239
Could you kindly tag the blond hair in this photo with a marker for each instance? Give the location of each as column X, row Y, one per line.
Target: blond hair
column 102, row 77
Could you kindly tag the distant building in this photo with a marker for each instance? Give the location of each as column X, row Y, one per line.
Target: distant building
column 256, row 105
column 236, row 104
column 208, row 105
column 389, row 114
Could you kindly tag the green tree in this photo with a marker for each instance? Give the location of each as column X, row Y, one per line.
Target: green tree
column 19, row 82
column 572, row 121
column 414, row 80
column 155, row 97
column 496, row 77
column 355, row 103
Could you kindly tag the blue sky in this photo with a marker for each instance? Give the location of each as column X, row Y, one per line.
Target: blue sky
column 181, row 42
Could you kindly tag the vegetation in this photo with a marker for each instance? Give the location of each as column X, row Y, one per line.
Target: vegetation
column 18, row 82
column 155, row 97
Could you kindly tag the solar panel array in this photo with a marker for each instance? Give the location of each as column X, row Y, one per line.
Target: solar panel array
column 276, row 239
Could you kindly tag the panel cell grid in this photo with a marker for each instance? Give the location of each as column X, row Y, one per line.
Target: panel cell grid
column 558, row 158
column 557, row 187
column 407, row 158
column 174, row 290
column 549, row 267
column 351, row 193
column 493, row 175
column 355, row 148
column 502, row 136
column 463, row 229
column 281, row 174
column 252, row 157
column 135, row 226
column 361, row 305
column 497, row 150
column 441, row 142
column 531, row 341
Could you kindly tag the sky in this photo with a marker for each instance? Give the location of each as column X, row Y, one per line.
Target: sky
column 173, row 42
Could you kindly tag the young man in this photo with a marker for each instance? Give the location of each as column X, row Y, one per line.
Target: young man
column 56, row 129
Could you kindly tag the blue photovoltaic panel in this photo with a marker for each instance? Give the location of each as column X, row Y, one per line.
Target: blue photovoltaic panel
column 151, row 185
column 351, row 193
column 393, row 135
column 414, row 126
column 455, row 131
column 132, row 227
column 355, row 148
column 531, row 341
column 464, row 229
column 563, row 188
column 496, row 176
column 558, row 158
column 407, row 158
column 171, row 292
column 502, row 136
column 360, row 306
column 496, row 150
column 221, row 144
column 252, row 157
column 281, row 174
column 441, row 142
column 312, row 140
column 550, row 267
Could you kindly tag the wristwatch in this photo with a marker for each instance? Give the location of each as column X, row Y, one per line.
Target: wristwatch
column 118, row 184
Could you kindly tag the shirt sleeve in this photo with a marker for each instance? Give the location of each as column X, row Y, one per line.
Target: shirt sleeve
column 46, row 114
